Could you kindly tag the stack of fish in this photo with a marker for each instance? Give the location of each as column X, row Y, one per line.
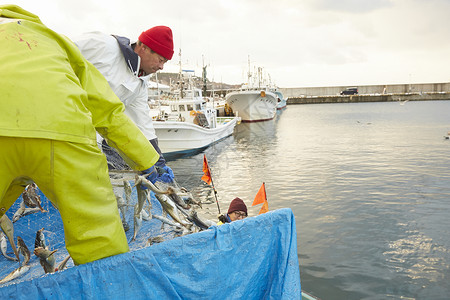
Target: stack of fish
column 177, row 212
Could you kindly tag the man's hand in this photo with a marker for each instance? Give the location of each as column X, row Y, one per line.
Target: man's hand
column 151, row 174
column 165, row 174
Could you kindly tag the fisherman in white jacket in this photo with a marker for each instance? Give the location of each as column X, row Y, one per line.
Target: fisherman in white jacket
column 127, row 67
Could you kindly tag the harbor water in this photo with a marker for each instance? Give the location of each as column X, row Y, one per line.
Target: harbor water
column 369, row 185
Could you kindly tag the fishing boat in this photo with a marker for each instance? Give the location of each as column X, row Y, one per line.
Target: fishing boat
column 256, row 100
column 281, row 102
column 183, row 121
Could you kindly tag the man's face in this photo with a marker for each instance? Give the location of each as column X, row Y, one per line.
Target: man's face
column 151, row 62
column 237, row 215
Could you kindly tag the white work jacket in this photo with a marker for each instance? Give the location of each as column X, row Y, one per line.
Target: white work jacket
column 104, row 52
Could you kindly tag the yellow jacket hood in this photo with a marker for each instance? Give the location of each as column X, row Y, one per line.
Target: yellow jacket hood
column 16, row 12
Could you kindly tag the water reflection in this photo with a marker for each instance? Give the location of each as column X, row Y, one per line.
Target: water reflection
column 368, row 183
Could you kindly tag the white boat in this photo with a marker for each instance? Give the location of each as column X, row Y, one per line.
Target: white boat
column 253, row 105
column 255, row 101
column 184, row 124
column 281, row 102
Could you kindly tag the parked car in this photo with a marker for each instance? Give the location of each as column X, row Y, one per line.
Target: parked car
column 350, row 91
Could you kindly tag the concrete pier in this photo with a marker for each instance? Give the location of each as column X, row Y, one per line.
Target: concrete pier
column 368, row 93
column 369, row 98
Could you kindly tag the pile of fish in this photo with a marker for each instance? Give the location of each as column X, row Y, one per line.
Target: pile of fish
column 41, row 250
column 31, row 202
column 178, row 206
column 178, row 213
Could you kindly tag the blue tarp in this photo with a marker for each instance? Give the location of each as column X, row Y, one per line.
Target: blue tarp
column 255, row 258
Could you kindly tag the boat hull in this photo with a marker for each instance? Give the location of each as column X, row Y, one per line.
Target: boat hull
column 253, row 105
column 281, row 105
column 183, row 137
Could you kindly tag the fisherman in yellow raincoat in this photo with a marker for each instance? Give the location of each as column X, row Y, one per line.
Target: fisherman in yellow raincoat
column 52, row 102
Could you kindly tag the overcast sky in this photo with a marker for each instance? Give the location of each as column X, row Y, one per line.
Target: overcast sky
column 300, row 43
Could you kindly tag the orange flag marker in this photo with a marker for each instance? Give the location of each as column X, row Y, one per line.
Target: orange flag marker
column 261, row 196
column 264, row 208
column 207, row 174
column 208, row 179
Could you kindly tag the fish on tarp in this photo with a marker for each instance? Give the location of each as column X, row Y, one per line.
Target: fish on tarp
column 137, row 216
column 169, row 207
column 31, row 197
column 46, row 259
column 39, row 241
column 177, row 199
column 122, row 206
column 188, row 198
column 63, row 264
column 167, row 221
column 154, row 240
column 16, row 273
column 194, row 218
column 23, row 210
column 22, row 248
column 8, row 228
column 128, row 191
column 4, row 247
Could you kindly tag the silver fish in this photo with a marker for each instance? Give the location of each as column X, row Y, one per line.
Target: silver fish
column 146, row 183
column 177, row 199
column 23, row 211
column 142, row 197
column 4, row 247
column 62, row 265
column 8, row 228
column 194, row 218
column 31, row 197
column 46, row 258
column 22, row 247
column 16, row 273
column 188, row 198
column 137, row 225
column 123, row 210
column 145, row 216
column 169, row 207
column 128, row 191
column 166, row 221
column 39, row 241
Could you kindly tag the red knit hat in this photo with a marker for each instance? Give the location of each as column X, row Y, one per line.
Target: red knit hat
column 159, row 39
column 237, row 205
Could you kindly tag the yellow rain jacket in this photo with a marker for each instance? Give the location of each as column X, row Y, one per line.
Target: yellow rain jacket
column 52, row 101
column 80, row 102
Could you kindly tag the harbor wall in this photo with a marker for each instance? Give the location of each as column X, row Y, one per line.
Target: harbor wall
column 368, row 89
column 369, row 98
column 368, row 93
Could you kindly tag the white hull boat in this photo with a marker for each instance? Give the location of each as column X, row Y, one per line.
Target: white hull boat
column 253, row 105
column 183, row 122
column 176, row 137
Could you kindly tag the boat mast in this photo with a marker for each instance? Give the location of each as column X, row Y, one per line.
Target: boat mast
column 249, row 73
column 180, row 76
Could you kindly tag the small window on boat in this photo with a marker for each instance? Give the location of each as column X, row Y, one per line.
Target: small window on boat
column 197, row 94
column 173, row 108
column 189, row 107
column 198, row 107
column 181, row 107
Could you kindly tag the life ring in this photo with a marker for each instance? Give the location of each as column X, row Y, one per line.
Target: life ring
column 193, row 113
